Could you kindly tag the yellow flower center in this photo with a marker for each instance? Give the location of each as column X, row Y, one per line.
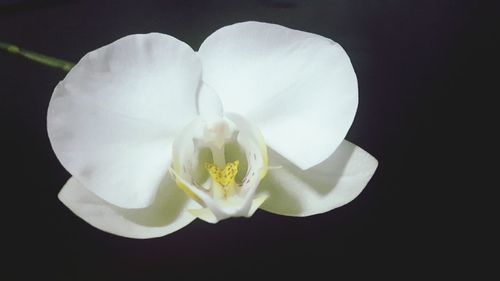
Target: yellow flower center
column 225, row 176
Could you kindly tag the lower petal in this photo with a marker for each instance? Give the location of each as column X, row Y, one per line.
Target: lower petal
column 326, row 186
column 167, row 214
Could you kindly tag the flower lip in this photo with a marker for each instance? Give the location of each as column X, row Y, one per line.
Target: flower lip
column 220, row 193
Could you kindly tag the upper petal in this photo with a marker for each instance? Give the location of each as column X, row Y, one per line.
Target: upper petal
column 111, row 121
column 209, row 103
column 329, row 185
column 167, row 214
column 299, row 88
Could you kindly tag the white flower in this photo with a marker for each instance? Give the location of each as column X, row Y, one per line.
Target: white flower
column 155, row 134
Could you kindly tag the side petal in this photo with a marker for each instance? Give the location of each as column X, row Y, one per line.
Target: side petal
column 112, row 120
column 167, row 214
column 299, row 88
column 329, row 185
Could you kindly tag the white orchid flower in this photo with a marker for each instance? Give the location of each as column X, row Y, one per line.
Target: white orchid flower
column 155, row 134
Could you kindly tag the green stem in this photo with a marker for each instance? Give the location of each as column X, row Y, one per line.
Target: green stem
column 45, row 60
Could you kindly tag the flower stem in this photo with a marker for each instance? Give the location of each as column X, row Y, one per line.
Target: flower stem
column 42, row 59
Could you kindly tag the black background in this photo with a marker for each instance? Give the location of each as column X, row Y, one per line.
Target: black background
column 419, row 66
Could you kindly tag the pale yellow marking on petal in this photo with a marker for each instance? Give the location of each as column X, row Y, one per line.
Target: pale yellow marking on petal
column 265, row 156
column 257, row 202
column 204, row 214
column 183, row 187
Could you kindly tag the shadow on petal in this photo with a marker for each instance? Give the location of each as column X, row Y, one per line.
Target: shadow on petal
column 280, row 198
column 323, row 178
column 328, row 185
column 169, row 203
column 167, row 214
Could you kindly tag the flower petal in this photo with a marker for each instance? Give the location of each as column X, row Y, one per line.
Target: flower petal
column 299, row 88
column 329, row 185
column 112, row 120
column 167, row 214
column 209, row 104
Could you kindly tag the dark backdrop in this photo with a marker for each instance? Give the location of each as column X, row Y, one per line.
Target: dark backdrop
column 418, row 65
